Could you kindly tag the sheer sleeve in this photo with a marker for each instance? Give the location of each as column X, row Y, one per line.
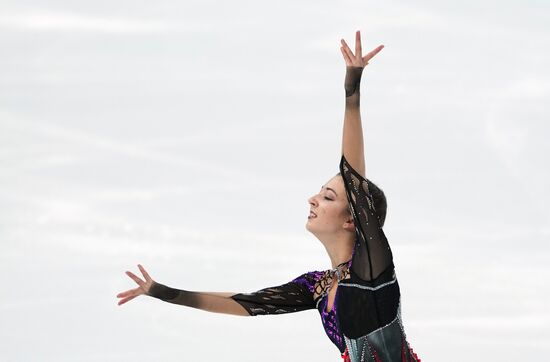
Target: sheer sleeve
column 372, row 254
column 294, row 296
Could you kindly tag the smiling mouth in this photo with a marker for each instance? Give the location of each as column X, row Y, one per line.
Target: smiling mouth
column 312, row 215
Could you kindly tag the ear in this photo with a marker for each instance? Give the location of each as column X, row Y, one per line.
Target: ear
column 349, row 224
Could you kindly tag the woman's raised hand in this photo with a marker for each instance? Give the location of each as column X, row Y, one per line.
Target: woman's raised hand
column 142, row 289
column 357, row 60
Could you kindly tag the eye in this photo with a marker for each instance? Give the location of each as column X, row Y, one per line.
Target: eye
column 326, row 198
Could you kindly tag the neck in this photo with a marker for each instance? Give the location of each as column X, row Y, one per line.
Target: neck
column 339, row 249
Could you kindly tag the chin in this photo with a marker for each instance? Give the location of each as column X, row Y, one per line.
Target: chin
column 311, row 228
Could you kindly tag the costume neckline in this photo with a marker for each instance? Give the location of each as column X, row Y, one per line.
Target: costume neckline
column 343, row 263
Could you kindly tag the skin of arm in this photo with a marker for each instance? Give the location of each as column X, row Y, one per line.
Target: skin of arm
column 216, row 302
column 352, row 138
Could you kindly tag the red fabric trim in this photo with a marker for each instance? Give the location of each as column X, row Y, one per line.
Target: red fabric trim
column 414, row 355
column 376, row 357
column 345, row 356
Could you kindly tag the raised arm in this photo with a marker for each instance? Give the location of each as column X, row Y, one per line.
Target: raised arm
column 372, row 255
column 352, row 139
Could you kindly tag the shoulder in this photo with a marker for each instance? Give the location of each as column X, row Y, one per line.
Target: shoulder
column 309, row 279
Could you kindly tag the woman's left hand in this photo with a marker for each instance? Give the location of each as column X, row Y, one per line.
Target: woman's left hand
column 143, row 286
column 357, row 60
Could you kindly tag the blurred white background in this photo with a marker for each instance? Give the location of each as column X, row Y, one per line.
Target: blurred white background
column 187, row 136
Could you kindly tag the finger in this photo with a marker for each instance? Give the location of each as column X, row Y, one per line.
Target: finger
column 136, row 279
column 373, row 53
column 145, row 274
column 346, row 58
column 358, row 43
column 347, row 50
column 122, row 301
column 128, row 292
column 123, row 294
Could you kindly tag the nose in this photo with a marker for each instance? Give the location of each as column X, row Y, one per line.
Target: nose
column 312, row 201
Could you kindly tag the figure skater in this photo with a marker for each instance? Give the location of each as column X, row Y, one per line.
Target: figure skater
column 359, row 298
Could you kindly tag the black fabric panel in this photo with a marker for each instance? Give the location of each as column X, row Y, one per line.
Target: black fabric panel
column 372, row 254
column 287, row 298
column 362, row 311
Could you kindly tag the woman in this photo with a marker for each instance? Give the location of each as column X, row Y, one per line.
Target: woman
column 358, row 299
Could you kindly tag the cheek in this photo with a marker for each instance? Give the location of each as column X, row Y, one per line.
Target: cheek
column 336, row 211
column 344, row 211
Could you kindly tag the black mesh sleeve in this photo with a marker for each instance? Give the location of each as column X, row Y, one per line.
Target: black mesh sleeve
column 372, row 254
column 294, row 296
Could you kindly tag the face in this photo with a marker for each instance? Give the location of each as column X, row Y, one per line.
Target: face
column 330, row 206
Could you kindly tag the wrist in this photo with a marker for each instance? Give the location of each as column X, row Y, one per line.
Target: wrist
column 161, row 291
column 353, row 80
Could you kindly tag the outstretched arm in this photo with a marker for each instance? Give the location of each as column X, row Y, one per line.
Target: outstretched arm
column 293, row 296
column 352, row 139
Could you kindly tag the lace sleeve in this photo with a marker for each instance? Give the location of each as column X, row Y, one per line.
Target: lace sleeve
column 294, row 296
column 372, row 254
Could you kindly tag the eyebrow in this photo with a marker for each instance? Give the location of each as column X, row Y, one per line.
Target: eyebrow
column 328, row 188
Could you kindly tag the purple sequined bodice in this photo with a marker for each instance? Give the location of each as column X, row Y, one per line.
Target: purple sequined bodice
column 329, row 319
